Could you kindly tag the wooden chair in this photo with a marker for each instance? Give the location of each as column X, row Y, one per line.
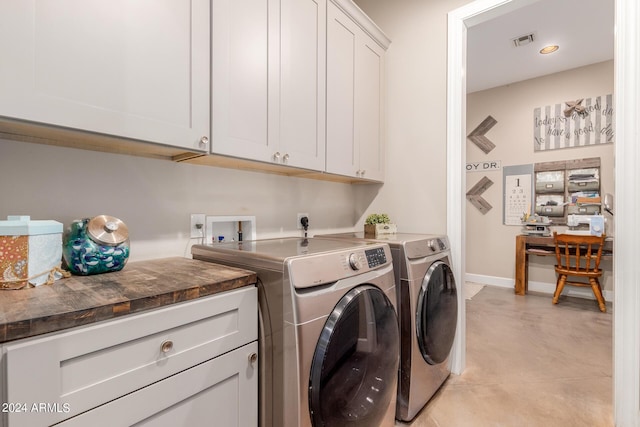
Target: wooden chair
column 579, row 256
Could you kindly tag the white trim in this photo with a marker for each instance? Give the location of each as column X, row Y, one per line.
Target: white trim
column 626, row 378
column 539, row 287
column 364, row 22
column 474, row 12
column 626, row 351
column 456, row 180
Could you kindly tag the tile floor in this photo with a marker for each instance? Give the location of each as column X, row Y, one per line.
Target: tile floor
column 529, row 363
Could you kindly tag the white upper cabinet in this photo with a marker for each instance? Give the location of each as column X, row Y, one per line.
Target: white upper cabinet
column 268, row 74
column 302, row 82
column 133, row 69
column 240, row 87
column 355, row 88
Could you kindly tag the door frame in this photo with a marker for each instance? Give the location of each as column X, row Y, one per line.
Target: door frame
column 626, row 329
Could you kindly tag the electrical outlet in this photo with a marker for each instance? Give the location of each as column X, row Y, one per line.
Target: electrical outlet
column 197, row 220
column 300, row 216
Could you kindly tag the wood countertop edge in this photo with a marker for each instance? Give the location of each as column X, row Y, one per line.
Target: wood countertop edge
column 59, row 321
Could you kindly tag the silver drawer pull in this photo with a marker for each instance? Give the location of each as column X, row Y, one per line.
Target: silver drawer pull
column 166, row 346
column 252, row 358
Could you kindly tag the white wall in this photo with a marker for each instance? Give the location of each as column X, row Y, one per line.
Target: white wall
column 156, row 197
column 415, row 190
column 490, row 244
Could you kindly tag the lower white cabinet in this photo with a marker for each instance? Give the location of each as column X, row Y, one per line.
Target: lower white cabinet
column 193, row 363
column 222, row 391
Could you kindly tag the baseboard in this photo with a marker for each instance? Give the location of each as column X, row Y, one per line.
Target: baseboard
column 541, row 287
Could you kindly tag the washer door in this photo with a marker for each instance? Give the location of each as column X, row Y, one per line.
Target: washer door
column 437, row 313
column 354, row 370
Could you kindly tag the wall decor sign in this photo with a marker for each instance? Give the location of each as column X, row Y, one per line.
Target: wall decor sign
column 475, row 195
column 477, row 135
column 517, row 183
column 574, row 123
column 493, row 165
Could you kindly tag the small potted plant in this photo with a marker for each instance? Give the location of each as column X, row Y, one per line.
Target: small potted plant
column 377, row 224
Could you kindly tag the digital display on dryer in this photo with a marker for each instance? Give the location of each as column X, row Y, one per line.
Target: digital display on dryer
column 375, row 257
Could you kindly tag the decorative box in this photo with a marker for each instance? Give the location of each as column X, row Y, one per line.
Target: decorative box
column 378, row 229
column 30, row 251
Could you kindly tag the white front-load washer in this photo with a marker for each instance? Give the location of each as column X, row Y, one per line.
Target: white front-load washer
column 327, row 322
column 427, row 304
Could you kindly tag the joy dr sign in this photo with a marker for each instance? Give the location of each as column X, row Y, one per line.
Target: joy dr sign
column 493, row 165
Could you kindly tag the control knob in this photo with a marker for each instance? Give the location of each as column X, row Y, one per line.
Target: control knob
column 354, row 262
column 432, row 245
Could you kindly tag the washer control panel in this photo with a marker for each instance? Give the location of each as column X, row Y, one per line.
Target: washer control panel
column 354, row 262
column 331, row 266
column 375, row 257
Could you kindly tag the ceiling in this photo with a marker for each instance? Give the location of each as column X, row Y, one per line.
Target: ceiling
column 584, row 30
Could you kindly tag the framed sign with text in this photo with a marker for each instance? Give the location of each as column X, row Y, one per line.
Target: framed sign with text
column 576, row 123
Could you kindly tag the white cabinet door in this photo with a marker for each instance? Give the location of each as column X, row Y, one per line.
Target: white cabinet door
column 244, row 45
column 132, row 68
column 268, row 81
column 342, row 35
column 355, row 78
column 302, row 83
column 369, row 108
column 220, row 392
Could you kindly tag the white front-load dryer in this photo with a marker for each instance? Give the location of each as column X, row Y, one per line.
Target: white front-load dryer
column 327, row 322
column 427, row 303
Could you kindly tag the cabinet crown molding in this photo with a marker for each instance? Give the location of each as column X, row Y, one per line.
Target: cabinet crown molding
column 364, row 22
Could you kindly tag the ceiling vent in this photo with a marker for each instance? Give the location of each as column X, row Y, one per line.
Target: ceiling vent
column 523, row 40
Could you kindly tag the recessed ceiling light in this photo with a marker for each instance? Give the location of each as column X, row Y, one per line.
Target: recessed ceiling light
column 549, row 49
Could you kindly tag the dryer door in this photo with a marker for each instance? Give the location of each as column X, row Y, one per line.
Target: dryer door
column 354, row 370
column 437, row 313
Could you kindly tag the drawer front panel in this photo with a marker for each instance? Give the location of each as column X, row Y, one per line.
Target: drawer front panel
column 222, row 391
column 86, row 367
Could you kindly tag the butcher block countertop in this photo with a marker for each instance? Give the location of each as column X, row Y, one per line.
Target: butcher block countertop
column 140, row 286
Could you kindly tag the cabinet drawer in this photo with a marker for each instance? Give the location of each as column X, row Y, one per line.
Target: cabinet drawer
column 85, row 367
column 220, row 392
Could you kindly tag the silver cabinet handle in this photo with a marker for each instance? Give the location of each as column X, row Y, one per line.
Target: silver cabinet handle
column 276, row 156
column 204, row 141
column 285, row 159
column 362, row 172
column 166, row 346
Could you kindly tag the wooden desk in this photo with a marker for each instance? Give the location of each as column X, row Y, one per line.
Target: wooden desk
column 540, row 246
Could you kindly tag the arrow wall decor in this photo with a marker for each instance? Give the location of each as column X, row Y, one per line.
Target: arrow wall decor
column 474, row 195
column 477, row 135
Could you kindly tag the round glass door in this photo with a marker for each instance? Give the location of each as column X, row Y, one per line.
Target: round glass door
column 354, row 370
column 437, row 313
